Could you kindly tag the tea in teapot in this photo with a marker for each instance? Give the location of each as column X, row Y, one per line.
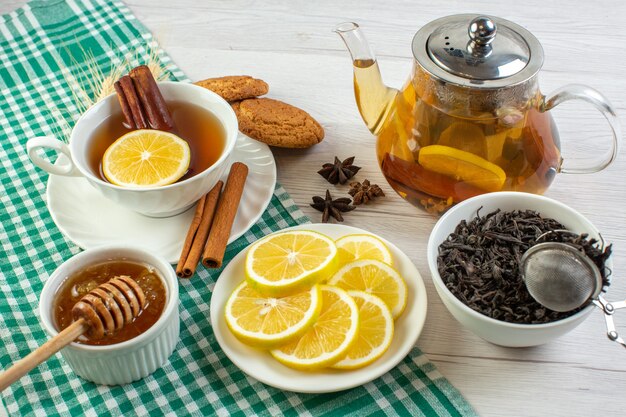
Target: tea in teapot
column 471, row 118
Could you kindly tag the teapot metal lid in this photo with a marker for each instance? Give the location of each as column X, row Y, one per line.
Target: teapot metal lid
column 478, row 51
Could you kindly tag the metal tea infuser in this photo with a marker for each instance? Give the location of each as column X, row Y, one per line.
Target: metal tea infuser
column 563, row 278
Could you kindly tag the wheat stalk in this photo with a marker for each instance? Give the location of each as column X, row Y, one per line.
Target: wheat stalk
column 89, row 83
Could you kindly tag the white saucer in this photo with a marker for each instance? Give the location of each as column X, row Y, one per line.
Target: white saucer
column 260, row 364
column 89, row 219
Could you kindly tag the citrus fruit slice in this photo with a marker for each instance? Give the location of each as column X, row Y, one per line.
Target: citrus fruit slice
column 330, row 338
column 495, row 143
column 465, row 136
column 375, row 331
column 464, row 166
column 146, row 158
column 361, row 246
column 266, row 322
column 285, row 263
column 374, row 277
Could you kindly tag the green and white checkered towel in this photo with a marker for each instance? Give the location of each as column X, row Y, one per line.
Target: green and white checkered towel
column 41, row 46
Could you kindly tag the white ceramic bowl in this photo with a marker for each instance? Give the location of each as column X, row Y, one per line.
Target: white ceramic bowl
column 164, row 201
column 492, row 330
column 133, row 359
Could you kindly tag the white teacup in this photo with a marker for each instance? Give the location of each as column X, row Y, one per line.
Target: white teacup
column 161, row 201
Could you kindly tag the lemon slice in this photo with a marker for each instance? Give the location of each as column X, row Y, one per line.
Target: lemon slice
column 464, row 166
column 266, row 322
column 360, row 246
column 330, row 338
column 465, row 136
column 375, row 331
column 146, row 158
column 289, row 262
column 374, row 277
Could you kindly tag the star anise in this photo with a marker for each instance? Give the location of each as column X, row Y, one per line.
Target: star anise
column 330, row 207
column 364, row 193
column 339, row 172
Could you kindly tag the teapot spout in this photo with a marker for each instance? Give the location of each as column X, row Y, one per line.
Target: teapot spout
column 374, row 99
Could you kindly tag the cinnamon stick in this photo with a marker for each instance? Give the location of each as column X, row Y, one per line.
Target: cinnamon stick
column 151, row 98
column 130, row 104
column 224, row 216
column 414, row 176
column 129, row 122
column 191, row 234
column 195, row 253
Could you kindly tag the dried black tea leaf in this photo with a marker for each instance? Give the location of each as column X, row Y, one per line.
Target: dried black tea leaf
column 479, row 263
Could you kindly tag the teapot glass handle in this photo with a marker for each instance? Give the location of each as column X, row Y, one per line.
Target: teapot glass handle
column 589, row 95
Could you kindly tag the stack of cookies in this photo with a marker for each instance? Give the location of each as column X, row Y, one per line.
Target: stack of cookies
column 264, row 119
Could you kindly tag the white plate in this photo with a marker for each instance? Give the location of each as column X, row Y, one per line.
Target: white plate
column 88, row 219
column 260, row 364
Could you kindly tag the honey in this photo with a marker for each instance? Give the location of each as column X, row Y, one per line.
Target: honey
column 78, row 285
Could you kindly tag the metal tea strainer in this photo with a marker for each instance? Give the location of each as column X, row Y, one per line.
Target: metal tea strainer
column 562, row 278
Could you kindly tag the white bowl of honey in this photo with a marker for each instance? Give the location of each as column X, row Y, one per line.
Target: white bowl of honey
column 135, row 350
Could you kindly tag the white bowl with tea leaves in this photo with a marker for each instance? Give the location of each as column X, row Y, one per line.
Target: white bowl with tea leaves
column 500, row 331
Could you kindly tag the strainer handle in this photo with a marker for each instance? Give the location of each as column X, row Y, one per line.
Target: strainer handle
column 608, row 309
column 602, row 104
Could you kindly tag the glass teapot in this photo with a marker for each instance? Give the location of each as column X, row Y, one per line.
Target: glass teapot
column 471, row 118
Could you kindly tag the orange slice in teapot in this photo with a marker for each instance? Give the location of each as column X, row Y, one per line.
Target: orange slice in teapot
column 462, row 166
column 495, row 143
column 468, row 137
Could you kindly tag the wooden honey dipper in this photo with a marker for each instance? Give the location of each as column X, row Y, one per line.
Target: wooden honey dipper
column 100, row 313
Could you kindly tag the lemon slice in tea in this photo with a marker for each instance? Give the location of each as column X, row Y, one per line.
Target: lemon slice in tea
column 146, row 158
column 462, row 165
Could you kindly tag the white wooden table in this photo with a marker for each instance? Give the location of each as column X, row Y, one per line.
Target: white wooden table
column 290, row 45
